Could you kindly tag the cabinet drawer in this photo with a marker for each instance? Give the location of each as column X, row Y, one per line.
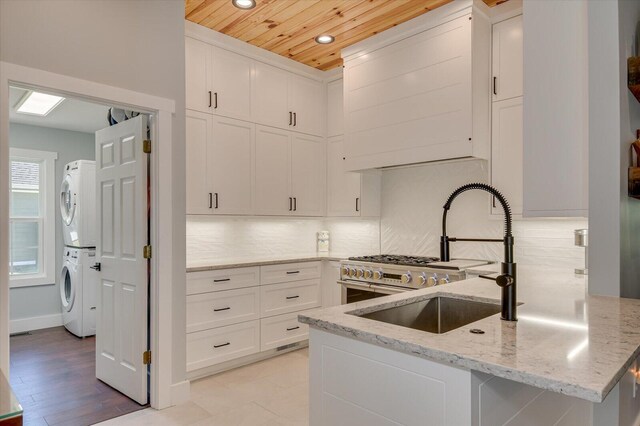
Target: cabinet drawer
column 283, row 298
column 209, row 347
column 223, row 279
column 282, row 330
column 288, row 272
column 210, row 310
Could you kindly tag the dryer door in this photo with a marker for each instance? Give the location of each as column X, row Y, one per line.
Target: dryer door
column 68, row 286
column 67, row 200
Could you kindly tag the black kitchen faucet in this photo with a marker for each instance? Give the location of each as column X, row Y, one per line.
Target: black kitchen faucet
column 507, row 279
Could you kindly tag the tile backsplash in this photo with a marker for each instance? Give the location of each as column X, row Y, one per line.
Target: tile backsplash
column 412, row 199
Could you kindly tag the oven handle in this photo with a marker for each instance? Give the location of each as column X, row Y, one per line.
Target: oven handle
column 372, row 287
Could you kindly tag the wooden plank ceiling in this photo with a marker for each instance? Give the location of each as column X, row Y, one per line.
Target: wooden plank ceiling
column 288, row 27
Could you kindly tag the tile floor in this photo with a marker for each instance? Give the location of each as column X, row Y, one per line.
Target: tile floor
column 272, row 392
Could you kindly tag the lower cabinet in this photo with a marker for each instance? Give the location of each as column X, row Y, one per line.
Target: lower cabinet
column 213, row 346
column 281, row 330
column 289, row 297
column 222, row 308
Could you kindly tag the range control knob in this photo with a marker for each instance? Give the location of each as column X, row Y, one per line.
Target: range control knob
column 345, row 270
column 444, row 280
column 377, row 275
column 432, row 280
column 352, row 272
column 359, row 273
column 367, row 273
column 422, row 279
column 406, row 278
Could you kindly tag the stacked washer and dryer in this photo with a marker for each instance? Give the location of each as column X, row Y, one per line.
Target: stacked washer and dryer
column 78, row 280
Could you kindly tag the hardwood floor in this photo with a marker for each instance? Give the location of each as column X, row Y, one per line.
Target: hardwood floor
column 53, row 376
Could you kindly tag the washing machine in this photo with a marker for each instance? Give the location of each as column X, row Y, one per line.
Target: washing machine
column 78, row 291
column 78, row 204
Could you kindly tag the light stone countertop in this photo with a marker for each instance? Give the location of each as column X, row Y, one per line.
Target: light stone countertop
column 564, row 341
column 243, row 262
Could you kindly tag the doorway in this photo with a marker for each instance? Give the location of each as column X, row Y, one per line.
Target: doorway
column 68, row 215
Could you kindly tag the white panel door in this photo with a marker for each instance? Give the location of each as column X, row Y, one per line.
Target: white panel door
column 335, row 108
column 122, row 202
column 270, row 96
column 231, row 84
column 197, row 75
column 231, row 160
column 273, row 175
column 507, row 59
column 308, row 175
column 343, row 188
column 306, row 100
column 198, row 133
column 506, row 153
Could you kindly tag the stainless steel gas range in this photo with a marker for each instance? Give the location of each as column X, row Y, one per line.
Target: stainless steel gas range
column 368, row 277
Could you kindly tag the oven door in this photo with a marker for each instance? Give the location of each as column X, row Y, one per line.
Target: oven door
column 357, row 292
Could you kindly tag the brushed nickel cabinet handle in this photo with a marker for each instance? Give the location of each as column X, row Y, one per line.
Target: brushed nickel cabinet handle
column 211, row 200
column 295, row 204
column 292, row 272
column 293, row 328
column 216, row 195
column 290, row 204
column 209, row 98
column 219, row 346
column 295, row 119
column 215, row 98
column 495, row 88
column 292, row 297
column 290, row 118
column 357, row 204
column 221, row 309
column 221, row 280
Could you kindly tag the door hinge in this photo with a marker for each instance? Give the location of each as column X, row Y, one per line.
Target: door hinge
column 146, row 252
column 146, row 146
column 146, row 357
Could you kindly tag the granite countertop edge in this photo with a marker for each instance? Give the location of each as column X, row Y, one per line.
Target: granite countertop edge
column 245, row 263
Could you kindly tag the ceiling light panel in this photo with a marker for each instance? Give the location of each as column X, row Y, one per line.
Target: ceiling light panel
column 36, row 103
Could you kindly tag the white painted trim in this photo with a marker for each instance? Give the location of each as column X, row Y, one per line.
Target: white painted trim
column 21, row 325
column 180, row 392
column 162, row 211
column 333, row 75
column 506, row 10
column 439, row 16
column 49, row 254
column 240, row 47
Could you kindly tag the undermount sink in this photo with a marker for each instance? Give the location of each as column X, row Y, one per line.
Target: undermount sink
column 435, row 315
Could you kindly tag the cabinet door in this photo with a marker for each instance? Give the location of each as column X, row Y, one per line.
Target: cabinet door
column 231, row 84
column 343, row 188
column 335, row 108
column 270, row 96
column 197, row 75
column 198, row 133
column 273, row 176
column 331, row 290
column 308, row 172
column 506, row 153
column 507, row 59
column 306, row 100
column 231, row 162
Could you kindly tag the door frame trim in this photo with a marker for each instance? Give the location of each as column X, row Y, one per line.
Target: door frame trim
column 161, row 286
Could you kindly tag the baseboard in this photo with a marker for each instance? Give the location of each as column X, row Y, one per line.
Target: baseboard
column 180, row 392
column 35, row 323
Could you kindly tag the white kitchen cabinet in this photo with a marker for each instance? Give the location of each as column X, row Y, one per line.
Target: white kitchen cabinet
column 506, row 153
column 220, row 164
column 231, row 156
column 217, row 81
column 421, row 98
column 335, row 108
column 282, row 330
column 331, row 290
column 273, row 176
column 288, row 101
column 308, row 173
column 197, row 74
column 198, row 134
column 290, row 173
column 287, row 272
column 507, row 59
column 350, row 193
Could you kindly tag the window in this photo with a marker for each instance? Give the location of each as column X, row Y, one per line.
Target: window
column 32, row 218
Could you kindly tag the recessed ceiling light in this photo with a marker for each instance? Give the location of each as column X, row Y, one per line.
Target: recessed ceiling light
column 37, row 103
column 325, row 39
column 244, row 4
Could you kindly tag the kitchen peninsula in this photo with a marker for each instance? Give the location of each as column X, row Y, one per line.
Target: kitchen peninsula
column 569, row 359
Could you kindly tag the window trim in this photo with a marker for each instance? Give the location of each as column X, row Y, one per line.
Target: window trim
column 48, row 274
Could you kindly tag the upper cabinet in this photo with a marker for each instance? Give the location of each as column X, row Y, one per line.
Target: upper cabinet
column 288, row 101
column 217, row 81
column 507, row 59
column 421, row 98
column 335, row 108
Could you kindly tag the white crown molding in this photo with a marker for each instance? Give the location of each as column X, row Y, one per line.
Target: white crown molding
column 226, row 42
column 505, row 11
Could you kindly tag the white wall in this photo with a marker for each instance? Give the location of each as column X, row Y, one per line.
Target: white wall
column 216, row 238
column 133, row 44
column 614, row 115
column 411, row 221
column 28, row 302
